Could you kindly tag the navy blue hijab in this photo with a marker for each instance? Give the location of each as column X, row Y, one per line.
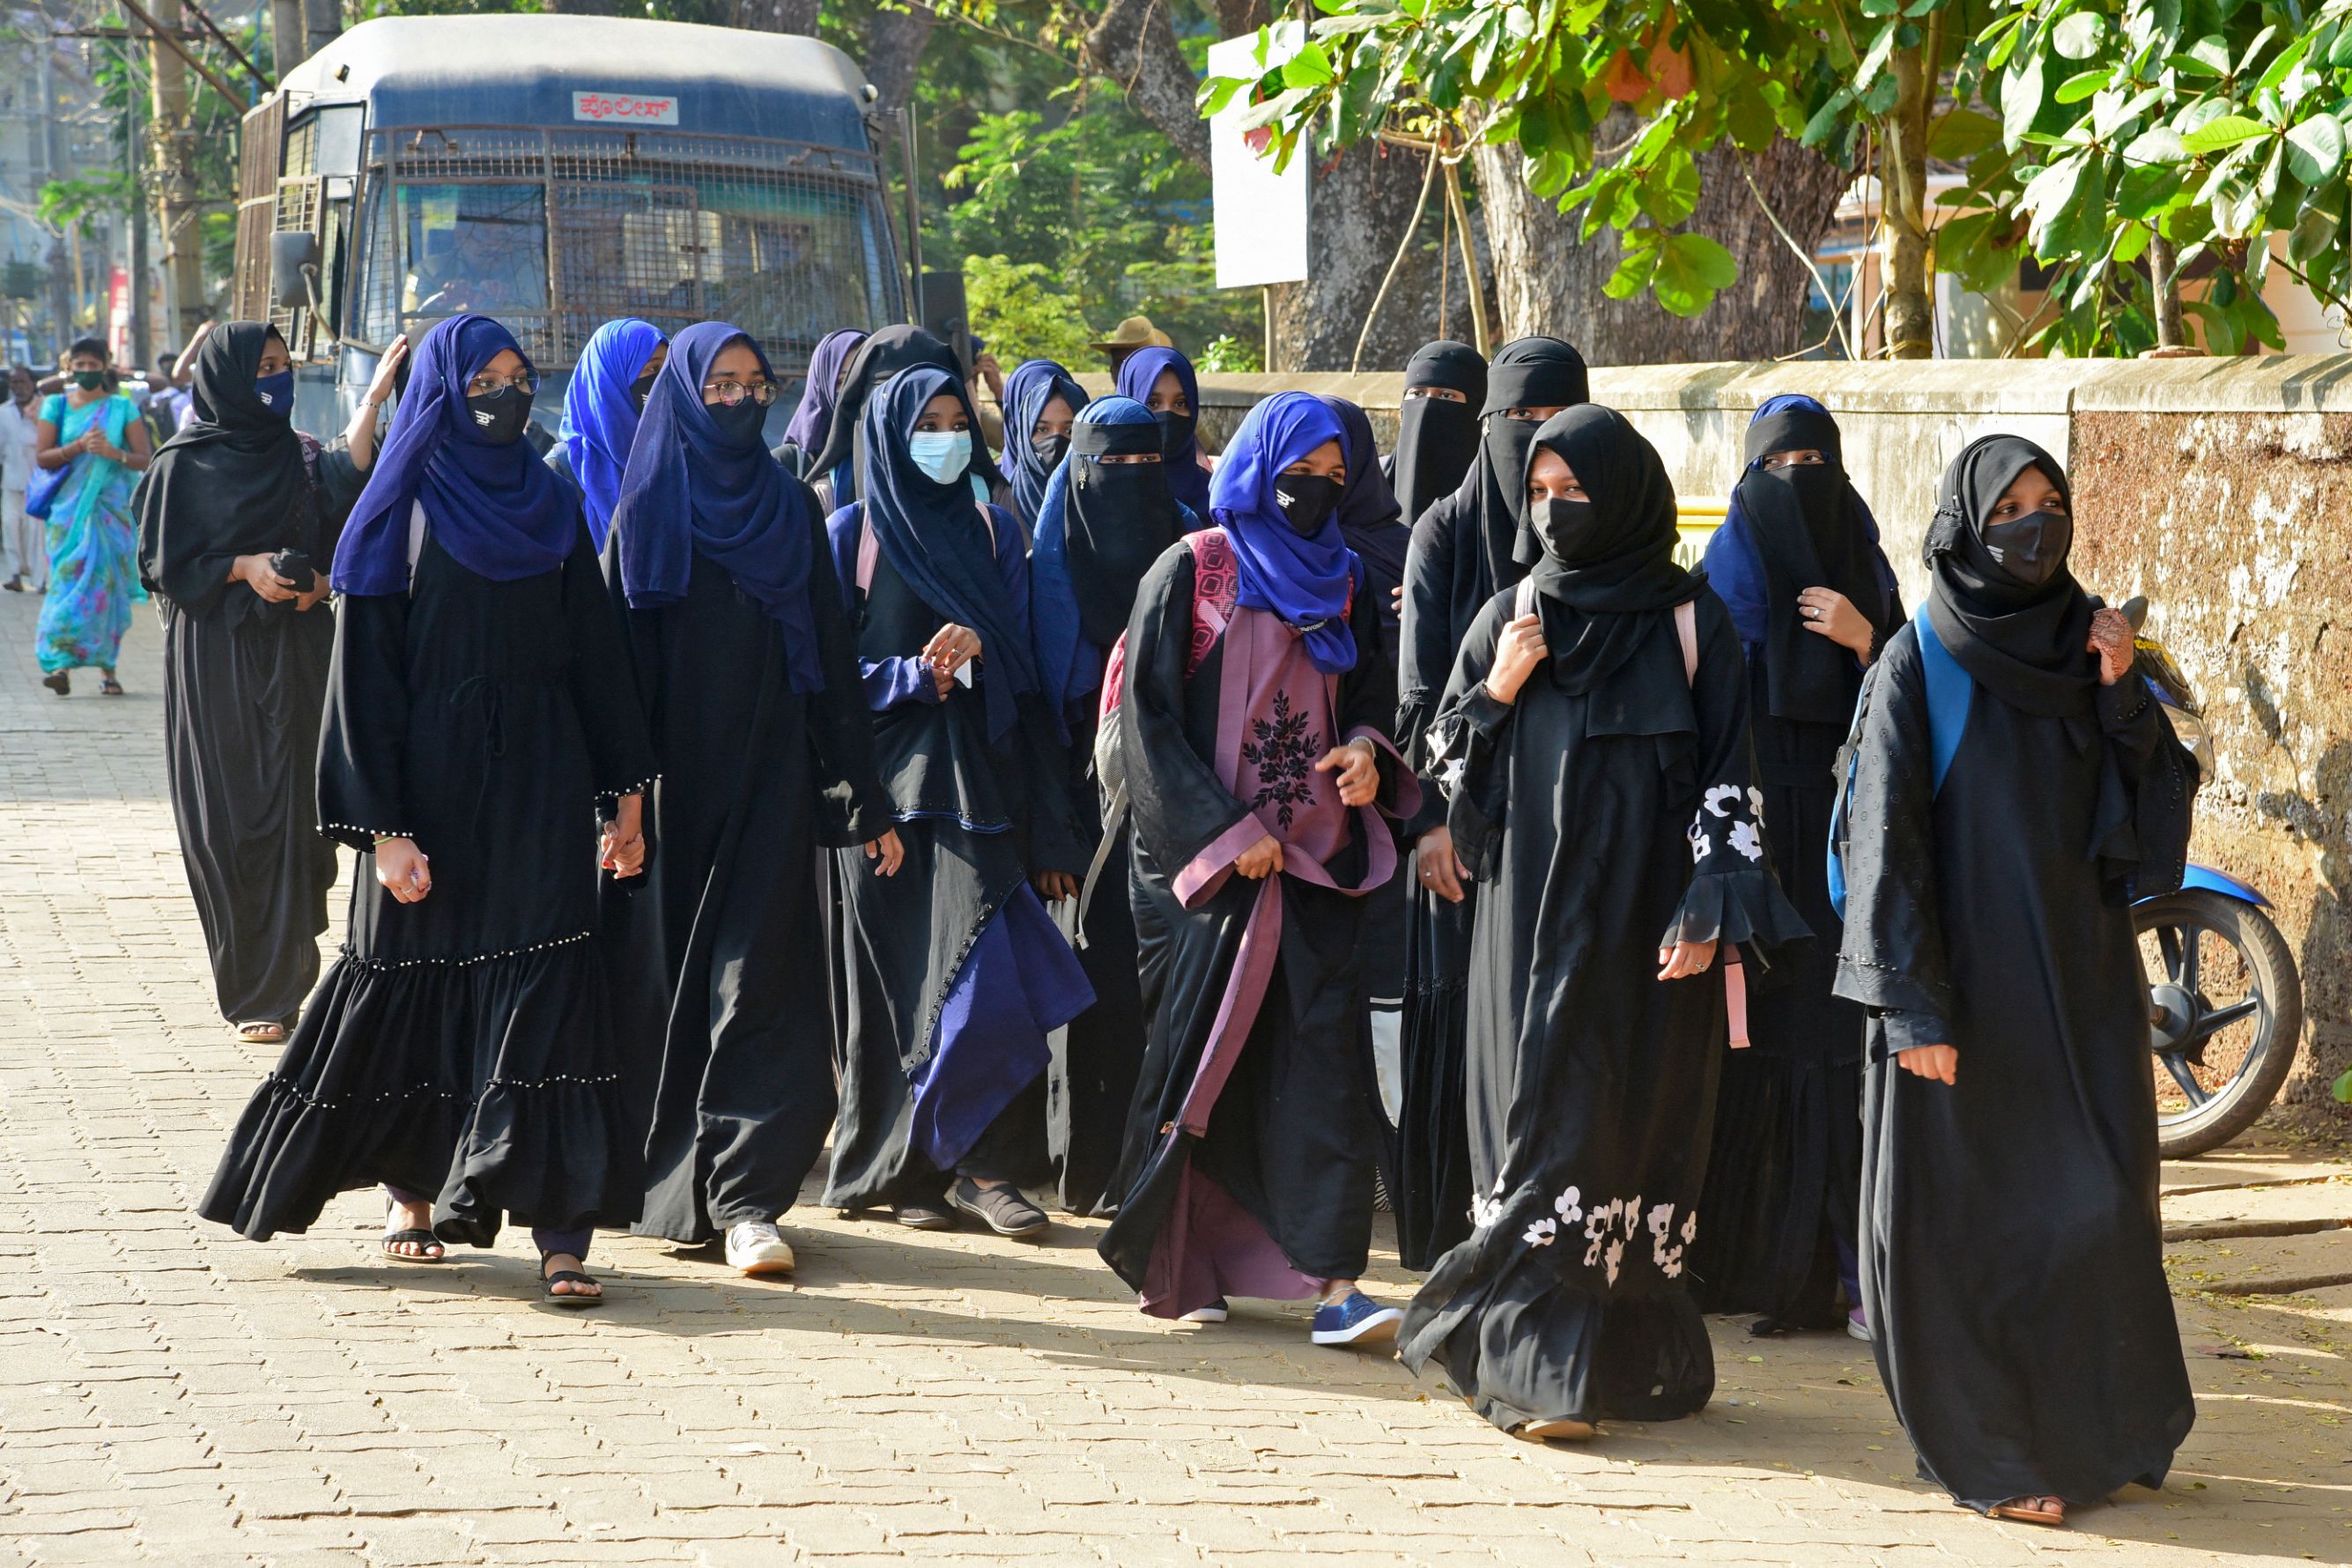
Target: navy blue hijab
column 1034, row 383
column 1185, row 475
column 690, row 489
column 1369, row 518
column 600, row 413
column 935, row 536
column 498, row 510
column 1307, row 582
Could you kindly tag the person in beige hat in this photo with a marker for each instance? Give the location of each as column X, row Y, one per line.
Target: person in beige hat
column 1133, row 333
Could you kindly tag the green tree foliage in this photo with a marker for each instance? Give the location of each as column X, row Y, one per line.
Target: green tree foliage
column 1020, row 309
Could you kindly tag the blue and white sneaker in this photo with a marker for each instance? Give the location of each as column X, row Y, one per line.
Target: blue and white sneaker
column 1355, row 1319
column 1215, row 1311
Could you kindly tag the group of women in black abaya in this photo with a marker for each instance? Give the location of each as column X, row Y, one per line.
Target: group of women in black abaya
column 1213, row 844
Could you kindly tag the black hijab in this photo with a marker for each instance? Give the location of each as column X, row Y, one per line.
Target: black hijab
column 1436, row 439
column 1602, row 611
column 1811, row 532
column 878, row 359
column 1367, row 511
column 2027, row 646
column 1528, row 372
column 227, row 485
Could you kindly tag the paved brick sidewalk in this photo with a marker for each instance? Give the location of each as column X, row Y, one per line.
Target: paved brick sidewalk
column 171, row 1394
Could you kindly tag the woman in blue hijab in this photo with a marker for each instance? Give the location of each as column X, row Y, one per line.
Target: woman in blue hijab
column 601, row 403
column 765, row 750
column 1040, row 402
column 955, row 974
column 812, row 421
column 1797, row 563
column 1162, row 381
column 1252, row 718
column 1107, row 516
column 461, row 1051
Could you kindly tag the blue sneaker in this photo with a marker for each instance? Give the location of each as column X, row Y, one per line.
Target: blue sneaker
column 1216, row 1312
column 1355, row 1319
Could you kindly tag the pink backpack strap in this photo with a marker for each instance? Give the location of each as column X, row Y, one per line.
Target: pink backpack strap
column 1216, row 585
column 869, row 552
column 1686, row 631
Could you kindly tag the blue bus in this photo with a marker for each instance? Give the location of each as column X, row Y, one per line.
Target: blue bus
column 557, row 171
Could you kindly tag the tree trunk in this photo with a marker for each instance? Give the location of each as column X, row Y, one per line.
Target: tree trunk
column 322, row 24
column 288, row 46
column 1903, row 197
column 1545, row 280
column 176, row 207
column 2164, row 282
column 894, row 46
column 1235, row 17
column 1134, row 44
column 1360, row 205
column 775, row 15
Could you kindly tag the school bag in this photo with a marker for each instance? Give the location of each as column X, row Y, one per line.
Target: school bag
column 1735, row 977
column 1950, row 694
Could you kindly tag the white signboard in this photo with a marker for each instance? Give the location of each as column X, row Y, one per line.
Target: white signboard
column 1261, row 216
column 623, row 109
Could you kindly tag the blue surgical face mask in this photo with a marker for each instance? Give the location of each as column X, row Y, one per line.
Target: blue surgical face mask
column 276, row 392
column 942, row 454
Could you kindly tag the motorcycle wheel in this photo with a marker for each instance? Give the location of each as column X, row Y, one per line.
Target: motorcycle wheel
column 2225, row 1014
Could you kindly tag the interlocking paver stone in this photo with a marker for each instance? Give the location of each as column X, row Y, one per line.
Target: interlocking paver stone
column 171, row 1394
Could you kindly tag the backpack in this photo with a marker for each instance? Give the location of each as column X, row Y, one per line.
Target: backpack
column 1950, row 694
column 1735, row 975
column 1216, row 589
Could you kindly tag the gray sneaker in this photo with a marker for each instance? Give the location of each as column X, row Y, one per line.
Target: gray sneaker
column 1002, row 1208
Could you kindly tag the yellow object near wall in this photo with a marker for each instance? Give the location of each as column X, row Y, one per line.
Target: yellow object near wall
column 1696, row 519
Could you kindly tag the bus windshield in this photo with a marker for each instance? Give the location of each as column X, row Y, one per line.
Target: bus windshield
column 474, row 248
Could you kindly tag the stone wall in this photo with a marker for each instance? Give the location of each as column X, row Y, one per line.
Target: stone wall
column 2220, row 488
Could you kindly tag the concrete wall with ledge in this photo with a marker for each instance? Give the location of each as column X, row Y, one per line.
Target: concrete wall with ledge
column 2221, row 488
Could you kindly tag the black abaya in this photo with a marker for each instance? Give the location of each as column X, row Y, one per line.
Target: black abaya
column 462, row 1045
column 755, row 777
column 1590, row 1083
column 2020, row 1317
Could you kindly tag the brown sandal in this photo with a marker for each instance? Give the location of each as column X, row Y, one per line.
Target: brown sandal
column 2044, row 1509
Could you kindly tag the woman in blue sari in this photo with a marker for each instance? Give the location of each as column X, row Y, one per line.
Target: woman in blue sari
column 96, row 434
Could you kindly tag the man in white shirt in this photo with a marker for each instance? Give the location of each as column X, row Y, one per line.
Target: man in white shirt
column 24, row 543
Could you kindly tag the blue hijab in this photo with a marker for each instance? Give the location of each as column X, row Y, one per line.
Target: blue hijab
column 1735, row 565
column 820, row 393
column 934, row 536
column 600, row 413
column 690, row 489
column 1307, row 582
column 1185, row 475
column 496, row 509
column 1086, row 562
column 1034, row 383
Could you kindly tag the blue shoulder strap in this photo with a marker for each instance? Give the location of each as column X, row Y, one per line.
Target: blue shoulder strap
column 1949, row 694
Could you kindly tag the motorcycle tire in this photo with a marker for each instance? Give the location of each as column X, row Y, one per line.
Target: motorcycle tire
column 2278, row 1024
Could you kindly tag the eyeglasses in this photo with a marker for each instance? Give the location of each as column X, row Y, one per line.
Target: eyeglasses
column 488, row 385
column 732, row 393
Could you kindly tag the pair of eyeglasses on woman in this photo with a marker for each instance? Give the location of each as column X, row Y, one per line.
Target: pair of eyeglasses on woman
column 732, row 393
column 488, row 385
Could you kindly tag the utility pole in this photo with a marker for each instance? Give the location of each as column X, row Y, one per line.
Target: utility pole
column 61, row 279
column 141, row 336
column 289, row 34
column 171, row 132
column 323, row 24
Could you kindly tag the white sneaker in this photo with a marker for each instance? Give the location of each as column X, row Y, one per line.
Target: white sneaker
column 757, row 1247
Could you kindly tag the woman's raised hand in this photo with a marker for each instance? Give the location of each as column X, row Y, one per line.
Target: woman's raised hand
column 2111, row 639
column 1516, row 657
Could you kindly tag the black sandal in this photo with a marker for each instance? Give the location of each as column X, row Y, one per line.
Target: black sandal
column 548, row 1282
column 414, row 1238
column 61, row 683
column 110, row 688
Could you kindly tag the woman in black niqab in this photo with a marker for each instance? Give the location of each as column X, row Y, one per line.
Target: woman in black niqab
column 748, row 670
column 1437, row 434
column 1797, row 563
column 1594, row 740
column 245, row 663
column 1995, row 838
column 1464, row 548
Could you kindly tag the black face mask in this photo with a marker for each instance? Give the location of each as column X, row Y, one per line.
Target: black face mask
column 2031, row 548
column 741, row 424
column 1561, row 527
column 641, row 389
column 1816, row 485
column 1050, row 449
column 501, row 416
column 1306, row 500
column 1175, row 429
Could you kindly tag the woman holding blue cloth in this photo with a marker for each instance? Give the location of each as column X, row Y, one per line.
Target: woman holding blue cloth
column 1252, row 718
column 1797, row 563
column 1040, row 402
column 744, row 659
column 91, row 447
column 955, row 974
column 1108, row 515
column 601, row 403
column 460, row 1052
